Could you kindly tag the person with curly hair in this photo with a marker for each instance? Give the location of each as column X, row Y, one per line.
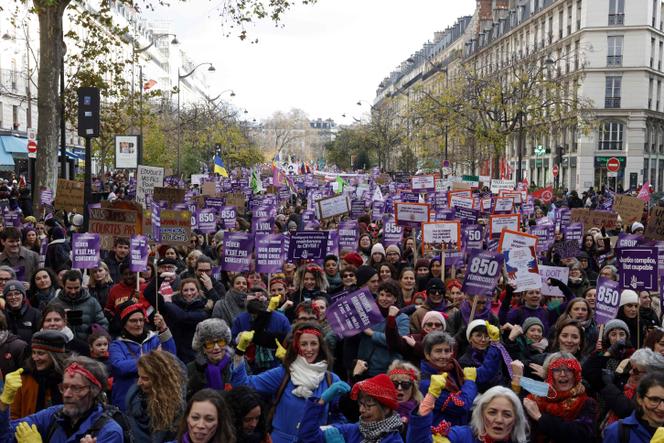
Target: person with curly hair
column 250, row 415
column 156, row 402
column 207, row 419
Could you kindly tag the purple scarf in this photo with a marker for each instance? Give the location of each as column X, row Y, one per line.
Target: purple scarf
column 214, row 371
column 467, row 306
column 406, row 407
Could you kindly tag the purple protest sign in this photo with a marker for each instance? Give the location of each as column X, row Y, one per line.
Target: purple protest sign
column 352, row 314
column 46, row 196
column 438, row 200
column 628, row 240
column 216, row 203
column 467, row 215
column 607, row 300
column 349, row 235
column 207, row 222
column 262, row 225
column 228, row 217
column 574, row 231
column 392, row 233
column 637, row 268
column 357, row 208
column 409, row 197
column 156, row 221
column 269, row 252
column 308, row 216
column 566, row 248
column 545, row 234
column 238, row 247
column 332, row 243
column 138, row 253
column 445, row 214
column 471, row 237
column 265, row 211
column 12, row 219
column 307, row 245
column 377, row 210
column 85, row 250
column 482, row 273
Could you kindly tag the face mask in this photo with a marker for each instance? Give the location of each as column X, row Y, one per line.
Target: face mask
column 538, row 388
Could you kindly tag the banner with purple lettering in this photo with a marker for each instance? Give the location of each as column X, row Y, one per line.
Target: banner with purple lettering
column 607, row 300
column 138, row 253
column 352, row 314
column 238, row 248
column 85, row 250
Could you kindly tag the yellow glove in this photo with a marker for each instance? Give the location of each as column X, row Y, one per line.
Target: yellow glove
column 658, row 437
column 245, row 340
column 470, row 374
column 274, row 303
column 13, row 383
column 281, row 351
column 493, row 331
column 27, row 434
column 438, row 383
column 440, row 439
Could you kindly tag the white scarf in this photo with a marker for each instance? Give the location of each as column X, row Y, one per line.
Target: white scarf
column 306, row 376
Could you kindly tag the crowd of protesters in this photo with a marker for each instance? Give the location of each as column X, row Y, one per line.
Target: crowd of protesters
column 181, row 353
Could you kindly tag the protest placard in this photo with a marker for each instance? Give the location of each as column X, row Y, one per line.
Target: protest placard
column 607, row 300
column 237, row 251
column 207, row 220
column 85, row 250
column 392, row 233
column 518, row 196
column 139, row 252
column 307, row 245
column 503, row 205
column 498, row 222
column 209, row 188
column 236, row 199
column 460, row 202
column 510, row 239
column 594, row 218
column 498, row 185
column 111, row 222
column 545, row 235
column 574, row 231
column 629, row 208
column 566, row 248
column 170, row 195
column 352, row 314
column 560, row 273
column 637, row 268
column 349, row 234
column 69, row 196
column 269, row 252
column 262, row 225
column 655, row 228
column 175, row 227
column 423, row 183
column 521, row 268
column 472, row 237
column 441, row 235
column 482, row 273
column 147, row 177
column 333, row 206
column 411, row 214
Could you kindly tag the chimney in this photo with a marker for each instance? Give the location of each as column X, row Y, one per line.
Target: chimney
column 485, row 9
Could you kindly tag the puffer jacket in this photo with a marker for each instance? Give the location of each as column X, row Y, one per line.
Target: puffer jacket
column 23, row 322
column 374, row 349
column 88, row 305
column 13, row 352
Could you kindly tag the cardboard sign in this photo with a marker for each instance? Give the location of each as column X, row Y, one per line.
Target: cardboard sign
column 209, row 189
column 333, row 206
column 147, row 177
column 439, row 235
column 510, row 239
column 112, row 222
column 69, row 196
column 596, row 219
column 629, row 208
column 237, row 199
column 655, row 228
column 171, row 195
column 175, row 227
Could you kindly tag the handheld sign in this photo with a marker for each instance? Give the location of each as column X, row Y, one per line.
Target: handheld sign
column 607, row 300
column 85, row 250
column 482, row 273
column 411, row 214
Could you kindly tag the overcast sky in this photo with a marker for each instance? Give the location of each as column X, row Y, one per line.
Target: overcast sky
column 323, row 60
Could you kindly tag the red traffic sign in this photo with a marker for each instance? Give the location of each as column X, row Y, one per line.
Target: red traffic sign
column 555, row 170
column 613, row 164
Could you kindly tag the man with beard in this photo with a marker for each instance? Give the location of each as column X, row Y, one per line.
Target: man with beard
column 269, row 328
column 81, row 415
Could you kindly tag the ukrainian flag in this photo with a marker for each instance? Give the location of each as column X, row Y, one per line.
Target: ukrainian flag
column 219, row 166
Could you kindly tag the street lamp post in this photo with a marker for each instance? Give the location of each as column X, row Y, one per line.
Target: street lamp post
column 180, row 78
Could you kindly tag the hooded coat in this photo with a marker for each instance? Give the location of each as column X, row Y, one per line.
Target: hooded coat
column 24, row 321
column 90, row 308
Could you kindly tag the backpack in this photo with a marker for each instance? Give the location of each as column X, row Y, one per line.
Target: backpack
column 280, row 392
column 110, row 412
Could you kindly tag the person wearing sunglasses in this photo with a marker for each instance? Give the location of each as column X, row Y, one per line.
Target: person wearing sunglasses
column 406, row 379
column 211, row 368
column 435, row 301
column 348, row 280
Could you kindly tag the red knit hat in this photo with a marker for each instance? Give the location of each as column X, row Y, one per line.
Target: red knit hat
column 570, row 363
column 380, row 388
column 353, row 258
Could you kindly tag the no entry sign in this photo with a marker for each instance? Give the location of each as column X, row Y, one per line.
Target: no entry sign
column 613, row 164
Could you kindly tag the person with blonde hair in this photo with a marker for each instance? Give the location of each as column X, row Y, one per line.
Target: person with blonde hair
column 406, row 379
column 155, row 403
column 310, row 282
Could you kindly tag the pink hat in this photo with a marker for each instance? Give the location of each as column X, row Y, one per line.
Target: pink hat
column 434, row 315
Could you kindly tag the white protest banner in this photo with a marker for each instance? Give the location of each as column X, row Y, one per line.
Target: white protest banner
column 519, row 196
column 437, row 234
column 498, row 222
column 421, row 183
column 498, row 185
column 330, row 207
column 147, row 177
column 411, row 214
column 559, row 273
column 510, row 239
column 457, row 201
column 504, row 205
column 521, row 268
column 196, row 179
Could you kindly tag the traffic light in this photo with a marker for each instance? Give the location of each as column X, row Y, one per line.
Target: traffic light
column 559, row 154
column 88, row 112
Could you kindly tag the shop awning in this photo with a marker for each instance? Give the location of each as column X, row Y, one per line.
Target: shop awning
column 14, row 145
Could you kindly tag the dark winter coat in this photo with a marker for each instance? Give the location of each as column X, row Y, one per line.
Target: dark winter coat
column 88, row 305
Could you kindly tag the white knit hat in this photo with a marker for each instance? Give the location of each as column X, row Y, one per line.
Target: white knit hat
column 378, row 249
column 627, row 296
column 474, row 324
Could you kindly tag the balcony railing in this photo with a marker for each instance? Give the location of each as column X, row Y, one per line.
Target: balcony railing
column 612, row 102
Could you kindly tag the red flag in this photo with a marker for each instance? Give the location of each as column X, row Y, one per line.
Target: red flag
column 544, row 194
column 150, row 83
column 644, row 193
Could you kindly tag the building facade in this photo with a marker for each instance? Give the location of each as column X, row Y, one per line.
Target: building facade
column 617, row 46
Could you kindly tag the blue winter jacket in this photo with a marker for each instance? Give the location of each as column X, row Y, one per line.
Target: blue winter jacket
column 310, row 431
column 419, row 431
column 636, row 431
column 374, row 349
column 290, row 409
column 111, row 432
column 124, row 355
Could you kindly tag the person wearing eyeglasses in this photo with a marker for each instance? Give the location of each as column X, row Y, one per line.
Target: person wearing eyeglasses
column 83, row 397
column 566, row 414
column 481, row 335
column 435, row 301
column 641, row 425
column 406, row 379
column 211, row 368
column 348, row 280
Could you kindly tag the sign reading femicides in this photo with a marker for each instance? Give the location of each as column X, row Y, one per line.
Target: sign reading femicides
column 352, row 314
column 607, row 300
column 482, row 273
column 85, row 251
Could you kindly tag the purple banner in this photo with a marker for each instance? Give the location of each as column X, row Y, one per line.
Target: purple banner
column 308, row 245
column 545, row 236
column 138, row 253
column 628, row 240
column 238, row 248
column 207, row 222
column 357, row 208
column 637, row 268
column 332, row 243
column 265, row 211
column 471, row 237
column 574, row 231
column 12, row 219
column 482, row 273
column 409, row 197
column 352, row 314
column 467, row 215
column 85, row 251
column 608, row 299
column 392, row 233
column 349, row 235
column 438, row 200
column 269, row 252
column 216, row 203
column 262, row 225
column 566, row 248
column 228, row 217
column 156, row 221
column 377, row 210
column 46, row 196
